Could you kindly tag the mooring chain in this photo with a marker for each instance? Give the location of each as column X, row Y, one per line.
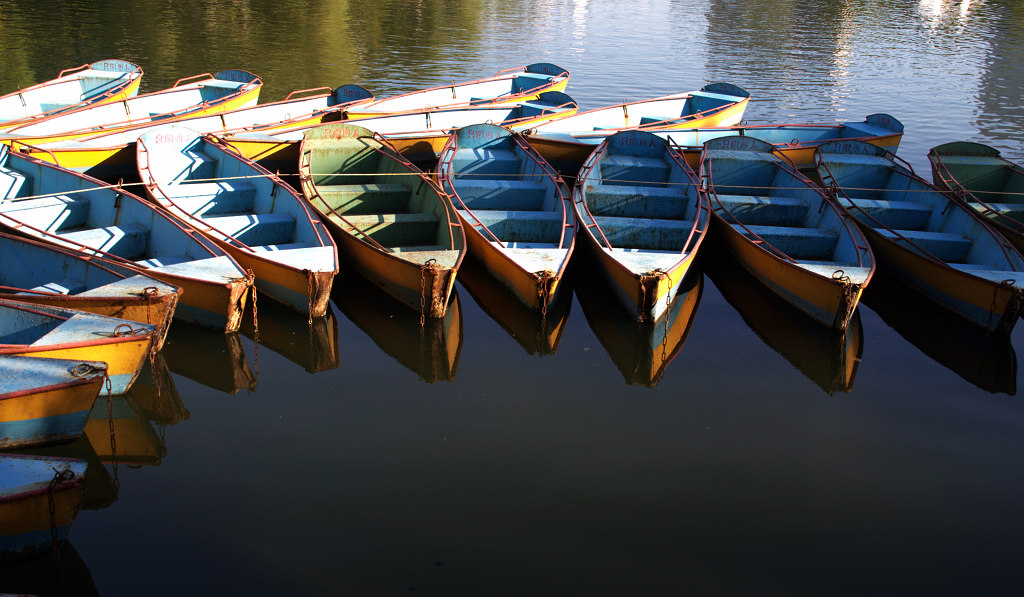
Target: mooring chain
column 256, row 340
column 150, row 293
column 58, row 477
column 309, row 293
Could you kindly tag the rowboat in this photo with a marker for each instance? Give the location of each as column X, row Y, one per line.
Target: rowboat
column 391, row 221
column 511, row 85
column 44, row 201
column 418, row 135
column 204, row 94
column 515, row 208
column 111, row 156
column 785, row 230
column 100, row 488
column 257, row 219
column 796, row 142
column 827, row 356
column 429, row 348
column 990, row 184
column 642, row 218
column 42, row 273
column 55, row 333
column 39, row 499
column 101, row 82
column 937, row 246
column 714, row 105
column 46, row 401
column 641, row 351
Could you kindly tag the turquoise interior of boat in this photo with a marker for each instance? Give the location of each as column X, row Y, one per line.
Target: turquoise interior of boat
column 761, row 198
column 641, row 197
column 505, row 190
column 888, row 197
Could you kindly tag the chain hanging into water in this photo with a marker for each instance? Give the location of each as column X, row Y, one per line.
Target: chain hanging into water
column 113, row 440
column 256, row 341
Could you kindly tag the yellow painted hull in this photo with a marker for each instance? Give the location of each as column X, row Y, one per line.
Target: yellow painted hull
column 31, row 513
column 802, row 155
column 157, row 310
column 125, row 356
column 227, row 298
column 128, row 91
column 241, row 100
column 808, row 292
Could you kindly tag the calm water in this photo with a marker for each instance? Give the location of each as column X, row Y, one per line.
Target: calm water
column 748, row 454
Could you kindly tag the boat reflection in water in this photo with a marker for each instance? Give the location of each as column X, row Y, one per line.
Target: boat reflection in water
column 60, row 572
column 827, row 357
column 641, row 351
column 536, row 333
column 312, row 346
column 121, row 429
column 431, row 350
column 215, row 360
column 986, row 360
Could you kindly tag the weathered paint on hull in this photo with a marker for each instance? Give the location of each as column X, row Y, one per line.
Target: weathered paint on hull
column 26, row 522
column 217, row 306
column 828, row 301
column 49, row 415
column 124, row 356
column 156, row 309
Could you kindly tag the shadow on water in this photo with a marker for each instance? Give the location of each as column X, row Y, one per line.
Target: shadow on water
column 827, row 357
column 987, row 361
column 641, row 351
column 60, row 572
column 537, row 334
column 215, row 360
column 430, row 350
column 314, row 347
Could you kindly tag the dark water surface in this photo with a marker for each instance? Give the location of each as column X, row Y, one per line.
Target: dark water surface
column 747, row 454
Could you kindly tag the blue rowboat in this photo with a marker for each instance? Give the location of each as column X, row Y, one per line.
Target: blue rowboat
column 68, row 209
column 39, row 499
column 44, row 401
column 987, row 182
column 45, row 274
column 511, row 85
column 794, row 141
column 417, row 135
column 930, row 242
column 785, row 230
column 393, row 224
column 205, row 94
column 253, row 215
column 515, row 208
column 643, row 219
column 55, row 333
column 90, row 84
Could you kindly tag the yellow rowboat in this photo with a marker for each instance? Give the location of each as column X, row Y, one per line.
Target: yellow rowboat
column 394, row 225
column 44, row 201
column 516, row 210
column 795, row 142
column 40, row 498
column 254, row 216
column 44, row 274
column 111, row 156
column 44, row 401
column 55, row 333
column 205, row 94
column 87, row 85
column 714, row 105
column 511, row 85
column 784, row 229
column 643, row 219
column 419, row 136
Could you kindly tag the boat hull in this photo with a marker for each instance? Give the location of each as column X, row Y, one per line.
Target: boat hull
column 53, row 412
column 28, row 525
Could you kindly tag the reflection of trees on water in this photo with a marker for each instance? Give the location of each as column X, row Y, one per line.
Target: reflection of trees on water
column 999, row 115
column 377, row 43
